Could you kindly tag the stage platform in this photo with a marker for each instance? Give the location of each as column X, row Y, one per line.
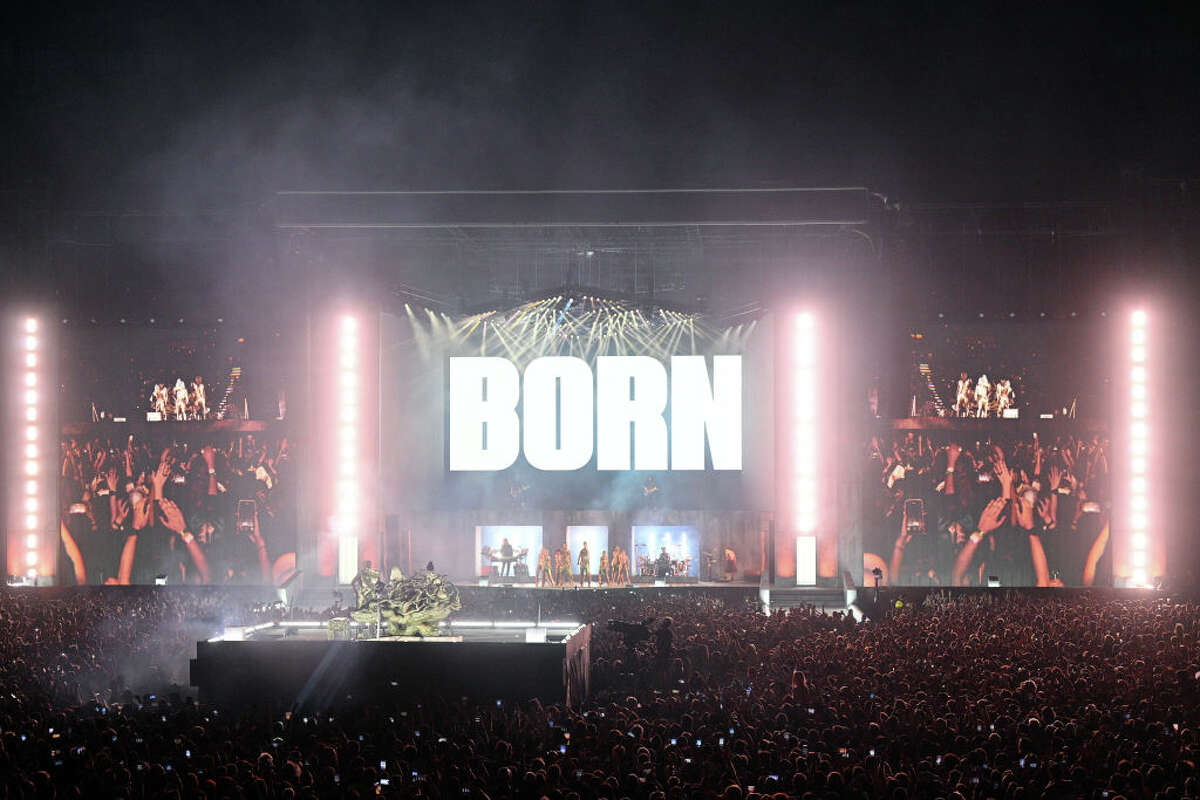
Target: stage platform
column 296, row 666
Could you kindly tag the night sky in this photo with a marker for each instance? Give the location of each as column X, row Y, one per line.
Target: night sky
column 174, row 106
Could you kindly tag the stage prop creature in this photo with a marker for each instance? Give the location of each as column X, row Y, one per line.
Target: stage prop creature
column 407, row 606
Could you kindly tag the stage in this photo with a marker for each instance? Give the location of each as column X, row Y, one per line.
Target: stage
column 296, row 666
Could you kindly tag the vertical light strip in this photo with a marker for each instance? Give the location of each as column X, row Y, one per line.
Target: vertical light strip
column 1139, row 450
column 805, row 444
column 348, row 393
column 32, row 469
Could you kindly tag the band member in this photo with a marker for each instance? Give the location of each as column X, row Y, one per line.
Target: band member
column 650, row 493
column 181, row 399
column 962, row 399
column 506, row 558
column 1004, row 396
column 199, row 399
column 545, row 568
column 662, row 564
column 982, row 388
column 602, row 576
column 585, row 565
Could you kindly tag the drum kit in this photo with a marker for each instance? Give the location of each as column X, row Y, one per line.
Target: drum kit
column 648, row 566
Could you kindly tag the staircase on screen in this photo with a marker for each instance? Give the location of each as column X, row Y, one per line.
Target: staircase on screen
column 927, row 374
column 223, row 408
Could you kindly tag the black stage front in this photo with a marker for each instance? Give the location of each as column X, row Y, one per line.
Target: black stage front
column 299, row 668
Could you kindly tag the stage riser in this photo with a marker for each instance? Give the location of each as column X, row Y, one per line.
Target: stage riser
column 311, row 675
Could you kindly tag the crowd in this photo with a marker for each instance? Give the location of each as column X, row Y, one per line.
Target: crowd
column 216, row 509
column 1002, row 696
column 945, row 511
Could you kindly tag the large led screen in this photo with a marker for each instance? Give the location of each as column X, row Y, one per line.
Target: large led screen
column 996, row 464
column 176, row 461
column 577, row 404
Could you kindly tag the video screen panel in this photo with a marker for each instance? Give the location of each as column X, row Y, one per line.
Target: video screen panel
column 594, row 536
column 997, row 465
column 172, row 374
column 442, row 368
column 998, row 370
column 507, row 550
column 666, row 549
column 176, row 461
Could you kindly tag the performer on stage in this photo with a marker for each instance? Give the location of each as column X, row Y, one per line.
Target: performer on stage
column 650, row 493
column 1004, row 396
column 962, row 400
column 602, row 578
column 159, row 400
column 662, row 565
column 506, row 556
column 568, row 565
column 585, row 565
column 616, row 566
column 199, row 401
column 561, row 570
column 545, row 568
column 181, row 399
column 730, row 563
column 982, row 388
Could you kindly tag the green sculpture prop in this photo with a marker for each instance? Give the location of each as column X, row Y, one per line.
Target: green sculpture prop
column 406, row 606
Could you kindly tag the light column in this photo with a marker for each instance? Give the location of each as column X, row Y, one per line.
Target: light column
column 1138, row 512
column 805, row 439
column 31, row 552
column 347, row 515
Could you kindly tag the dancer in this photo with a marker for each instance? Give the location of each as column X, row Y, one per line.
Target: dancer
column 199, row 399
column 620, row 567
column 981, row 396
column 181, row 399
column 962, row 400
column 545, row 568
column 602, row 575
column 585, row 566
column 1004, row 396
column 159, row 400
column 568, row 565
column 561, row 569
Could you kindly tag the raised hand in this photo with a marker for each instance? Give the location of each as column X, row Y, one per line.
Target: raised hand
column 209, row 456
column 1023, row 512
column 1005, row 476
column 1045, row 510
column 1056, row 475
column 158, row 478
column 993, row 515
column 120, row 511
column 170, row 515
column 953, row 451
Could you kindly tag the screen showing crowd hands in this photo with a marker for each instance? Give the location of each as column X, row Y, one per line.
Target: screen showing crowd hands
column 953, row 508
column 204, row 508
